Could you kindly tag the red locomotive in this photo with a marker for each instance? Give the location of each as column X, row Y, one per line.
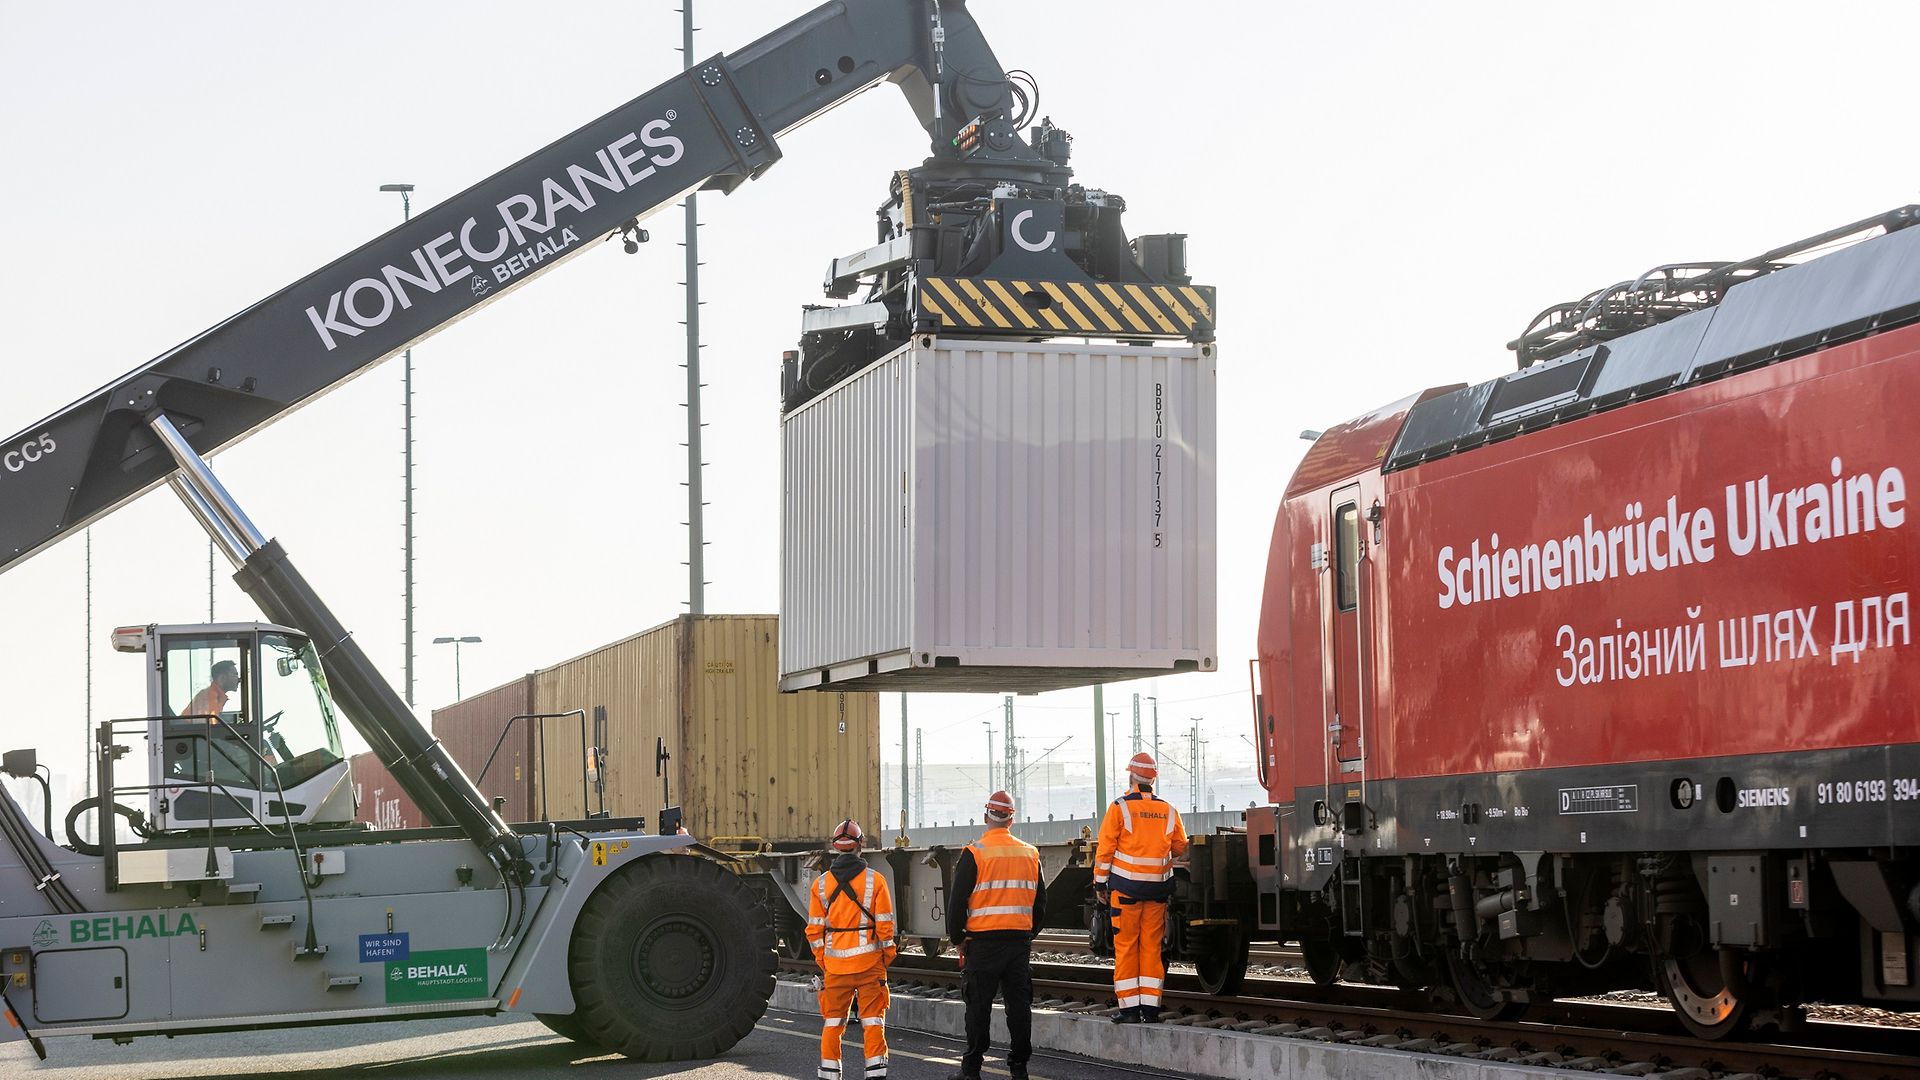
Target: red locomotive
column 1601, row 675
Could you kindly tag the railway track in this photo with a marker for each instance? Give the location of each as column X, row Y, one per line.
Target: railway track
column 1587, row 1036
column 1069, row 942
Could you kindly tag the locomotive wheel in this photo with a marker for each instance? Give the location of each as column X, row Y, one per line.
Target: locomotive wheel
column 1323, row 960
column 672, row 958
column 1476, row 995
column 793, row 944
column 933, row 946
column 1319, row 948
column 1414, row 973
column 565, row 1025
column 1710, row 991
column 1221, row 960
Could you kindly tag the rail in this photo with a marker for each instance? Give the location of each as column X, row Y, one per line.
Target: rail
column 1575, row 1035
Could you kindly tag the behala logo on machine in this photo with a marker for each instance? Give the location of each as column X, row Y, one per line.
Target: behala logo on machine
column 131, row 927
column 438, row 975
column 530, row 228
column 45, row 934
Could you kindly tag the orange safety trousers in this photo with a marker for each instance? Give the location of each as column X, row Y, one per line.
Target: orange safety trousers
column 837, row 994
column 1138, row 970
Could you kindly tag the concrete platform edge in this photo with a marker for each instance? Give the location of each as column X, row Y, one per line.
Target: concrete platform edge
column 1232, row 1055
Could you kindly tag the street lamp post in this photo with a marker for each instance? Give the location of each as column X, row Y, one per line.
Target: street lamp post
column 456, row 642
column 405, row 192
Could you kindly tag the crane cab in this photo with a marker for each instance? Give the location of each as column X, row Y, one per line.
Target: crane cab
column 242, row 731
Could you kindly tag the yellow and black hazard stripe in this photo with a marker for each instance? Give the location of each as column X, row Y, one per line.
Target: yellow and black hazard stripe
column 1096, row 309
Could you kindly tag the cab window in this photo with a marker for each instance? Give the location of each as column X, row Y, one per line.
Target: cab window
column 206, row 691
column 206, row 677
column 296, row 708
column 1346, row 545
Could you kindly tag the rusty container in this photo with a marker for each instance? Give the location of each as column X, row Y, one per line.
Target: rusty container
column 378, row 798
column 494, row 749
column 744, row 759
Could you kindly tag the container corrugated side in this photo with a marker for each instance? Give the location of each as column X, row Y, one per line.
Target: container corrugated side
column 1046, row 519
column 756, row 762
column 378, row 798
column 747, row 760
column 637, row 679
column 846, row 531
column 471, row 729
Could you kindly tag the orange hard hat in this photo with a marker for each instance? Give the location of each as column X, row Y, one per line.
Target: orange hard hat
column 1142, row 767
column 1000, row 805
column 848, row 836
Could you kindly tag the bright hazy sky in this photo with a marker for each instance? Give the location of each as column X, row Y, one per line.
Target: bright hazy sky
column 1383, row 193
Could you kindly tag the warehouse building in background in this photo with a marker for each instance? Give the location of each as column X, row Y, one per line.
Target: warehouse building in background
column 743, row 759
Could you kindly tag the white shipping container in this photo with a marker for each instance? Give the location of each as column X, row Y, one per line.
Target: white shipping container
column 1001, row 516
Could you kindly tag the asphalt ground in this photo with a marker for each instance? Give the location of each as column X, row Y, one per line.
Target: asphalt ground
column 784, row 1044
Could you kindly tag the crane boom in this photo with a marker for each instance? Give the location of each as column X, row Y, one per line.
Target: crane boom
column 713, row 126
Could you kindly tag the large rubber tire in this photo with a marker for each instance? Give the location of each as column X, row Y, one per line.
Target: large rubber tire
column 672, row 958
column 566, row 1025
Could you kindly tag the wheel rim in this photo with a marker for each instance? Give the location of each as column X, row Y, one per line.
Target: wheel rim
column 676, row 961
column 1699, row 993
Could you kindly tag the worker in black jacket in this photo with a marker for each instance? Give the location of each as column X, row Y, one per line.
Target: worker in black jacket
column 994, row 906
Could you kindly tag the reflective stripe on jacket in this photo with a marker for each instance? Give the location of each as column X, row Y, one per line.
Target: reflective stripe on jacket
column 1007, row 879
column 844, row 940
column 1139, row 840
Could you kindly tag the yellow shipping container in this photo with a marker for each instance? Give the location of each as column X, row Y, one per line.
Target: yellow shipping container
column 746, row 759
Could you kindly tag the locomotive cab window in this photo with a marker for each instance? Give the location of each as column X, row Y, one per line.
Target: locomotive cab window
column 1346, row 546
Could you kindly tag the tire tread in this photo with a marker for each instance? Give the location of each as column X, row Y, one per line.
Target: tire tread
column 626, row 899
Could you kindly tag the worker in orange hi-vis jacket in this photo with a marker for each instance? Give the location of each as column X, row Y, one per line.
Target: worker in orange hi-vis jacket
column 850, row 927
column 1133, row 876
